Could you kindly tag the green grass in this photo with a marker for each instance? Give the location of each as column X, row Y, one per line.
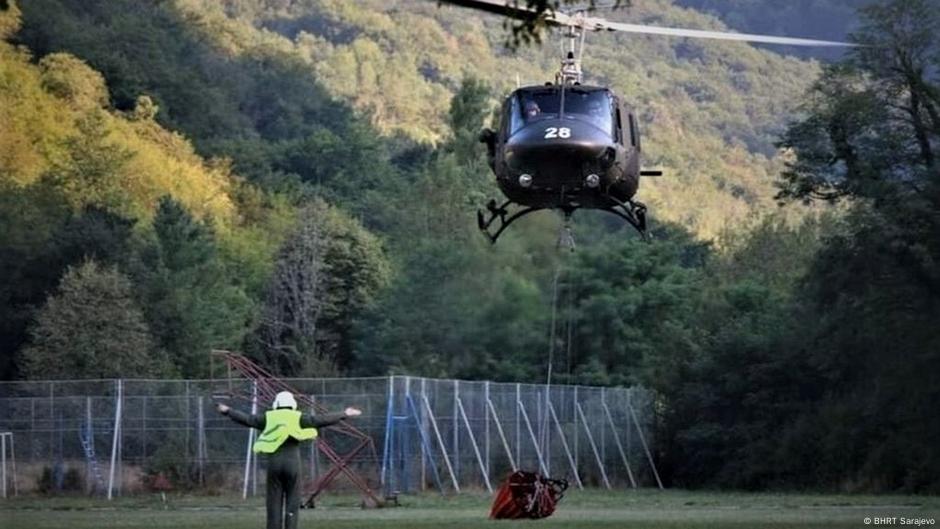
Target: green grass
column 580, row 509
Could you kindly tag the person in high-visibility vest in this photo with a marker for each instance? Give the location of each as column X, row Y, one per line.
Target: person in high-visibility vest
column 282, row 429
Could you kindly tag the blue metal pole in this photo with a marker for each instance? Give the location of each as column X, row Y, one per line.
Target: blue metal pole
column 425, row 445
column 389, row 430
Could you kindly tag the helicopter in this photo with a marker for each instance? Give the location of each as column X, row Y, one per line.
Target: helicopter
column 565, row 145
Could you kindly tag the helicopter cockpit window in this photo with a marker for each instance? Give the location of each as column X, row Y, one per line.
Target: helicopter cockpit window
column 533, row 106
column 516, row 121
column 591, row 106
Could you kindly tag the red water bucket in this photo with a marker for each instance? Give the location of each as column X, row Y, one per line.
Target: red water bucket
column 527, row 495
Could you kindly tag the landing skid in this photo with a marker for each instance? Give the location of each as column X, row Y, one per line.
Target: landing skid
column 631, row 211
column 502, row 214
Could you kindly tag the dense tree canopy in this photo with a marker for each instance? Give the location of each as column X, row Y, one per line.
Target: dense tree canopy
column 709, row 111
column 91, row 328
column 822, row 381
column 328, row 270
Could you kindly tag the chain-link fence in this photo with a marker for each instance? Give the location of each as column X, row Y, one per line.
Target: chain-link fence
column 124, row 436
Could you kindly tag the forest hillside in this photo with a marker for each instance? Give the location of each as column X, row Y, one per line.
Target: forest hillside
column 710, row 111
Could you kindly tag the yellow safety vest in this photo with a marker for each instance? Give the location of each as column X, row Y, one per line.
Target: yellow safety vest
column 278, row 426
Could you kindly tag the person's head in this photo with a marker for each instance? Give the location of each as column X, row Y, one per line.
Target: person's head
column 284, row 399
column 595, row 108
column 532, row 109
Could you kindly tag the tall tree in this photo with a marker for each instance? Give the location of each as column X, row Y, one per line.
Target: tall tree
column 193, row 301
column 469, row 109
column 9, row 18
column 873, row 121
column 328, row 271
column 295, row 299
column 356, row 271
column 92, row 171
column 71, row 79
column 41, row 237
column 91, row 328
column 870, row 137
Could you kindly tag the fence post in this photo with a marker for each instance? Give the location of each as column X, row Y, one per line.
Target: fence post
column 251, row 440
column 7, row 454
column 646, row 448
column 502, row 436
column 187, row 410
column 89, row 471
column 143, row 417
column 440, row 440
column 200, row 439
column 587, row 430
column 386, row 446
column 32, row 422
column 52, row 423
column 543, row 442
column 564, row 444
column 423, row 439
column 456, row 431
column 473, row 443
column 535, row 443
column 405, row 444
column 16, row 490
column 115, row 439
column 3, row 472
column 629, row 436
column 314, row 449
column 423, row 425
column 574, row 422
column 613, row 429
column 486, row 426
column 518, row 429
column 603, row 439
column 119, row 478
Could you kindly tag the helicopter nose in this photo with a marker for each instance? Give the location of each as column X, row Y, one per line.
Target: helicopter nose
column 554, row 143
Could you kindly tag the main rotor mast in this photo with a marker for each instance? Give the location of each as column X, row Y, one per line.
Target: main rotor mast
column 570, row 72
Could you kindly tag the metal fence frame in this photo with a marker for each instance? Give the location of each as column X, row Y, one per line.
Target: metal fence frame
column 448, row 435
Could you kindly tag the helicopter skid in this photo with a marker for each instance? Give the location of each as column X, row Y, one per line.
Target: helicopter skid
column 502, row 214
column 631, row 211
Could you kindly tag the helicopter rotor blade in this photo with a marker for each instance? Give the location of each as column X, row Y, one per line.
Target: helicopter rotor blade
column 598, row 24
column 520, row 10
column 498, row 7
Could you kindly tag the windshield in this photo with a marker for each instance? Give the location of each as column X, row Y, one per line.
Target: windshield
column 591, row 106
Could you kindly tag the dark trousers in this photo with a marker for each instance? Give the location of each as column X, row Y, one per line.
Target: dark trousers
column 283, row 488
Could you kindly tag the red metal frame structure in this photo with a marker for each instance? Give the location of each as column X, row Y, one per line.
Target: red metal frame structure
column 268, row 386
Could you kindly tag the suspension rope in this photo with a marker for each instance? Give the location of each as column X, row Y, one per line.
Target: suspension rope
column 565, row 247
column 543, row 437
column 568, row 319
column 551, row 342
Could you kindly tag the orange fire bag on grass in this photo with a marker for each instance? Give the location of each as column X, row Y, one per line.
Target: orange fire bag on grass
column 527, row 495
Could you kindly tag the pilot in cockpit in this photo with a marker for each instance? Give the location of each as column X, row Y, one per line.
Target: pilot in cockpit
column 532, row 110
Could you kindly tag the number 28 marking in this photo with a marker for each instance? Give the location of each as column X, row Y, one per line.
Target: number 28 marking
column 555, row 132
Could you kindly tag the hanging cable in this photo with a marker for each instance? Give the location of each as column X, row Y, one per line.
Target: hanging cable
column 569, row 316
column 545, row 419
column 543, row 437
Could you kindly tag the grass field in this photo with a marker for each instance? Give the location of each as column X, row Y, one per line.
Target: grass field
column 580, row 509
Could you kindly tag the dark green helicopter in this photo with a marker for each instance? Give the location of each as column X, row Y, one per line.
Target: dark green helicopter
column 568, row 146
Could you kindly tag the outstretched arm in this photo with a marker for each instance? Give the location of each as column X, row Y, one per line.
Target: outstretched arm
column 309, row 420
column 250, row 420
